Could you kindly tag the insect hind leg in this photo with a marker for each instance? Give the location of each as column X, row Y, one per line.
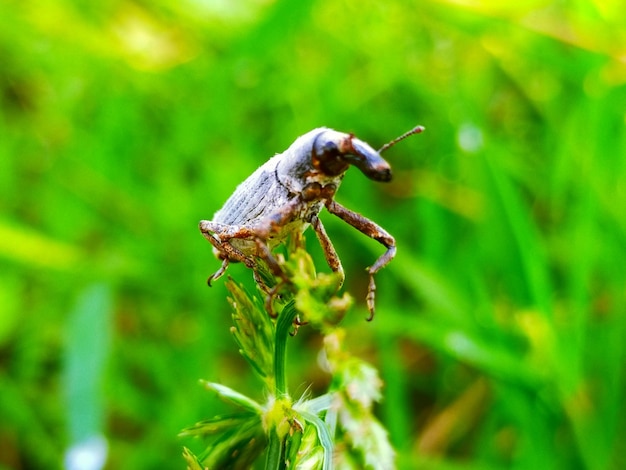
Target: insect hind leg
column 374, row 231
column 332, row 258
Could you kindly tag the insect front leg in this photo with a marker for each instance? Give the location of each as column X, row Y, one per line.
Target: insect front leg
column 329, row 250
column 220, row 272
column 219, row 235
column 372, row 230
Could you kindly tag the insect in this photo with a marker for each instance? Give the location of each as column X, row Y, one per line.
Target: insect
column 285, row 195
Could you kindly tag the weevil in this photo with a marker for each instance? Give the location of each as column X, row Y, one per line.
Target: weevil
column 285, row 195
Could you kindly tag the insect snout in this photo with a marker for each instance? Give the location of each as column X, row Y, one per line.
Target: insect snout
column 369, row 161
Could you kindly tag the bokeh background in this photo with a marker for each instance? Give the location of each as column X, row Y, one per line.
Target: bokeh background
column 500, row 325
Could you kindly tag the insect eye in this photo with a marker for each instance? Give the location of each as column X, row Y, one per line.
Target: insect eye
column 330, row 150
column 329, row 158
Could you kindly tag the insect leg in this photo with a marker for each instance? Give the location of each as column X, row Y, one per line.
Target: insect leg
column 329, row 250
column 219, row 235
column 372, row 230
column 219, row 273
column 269, row 226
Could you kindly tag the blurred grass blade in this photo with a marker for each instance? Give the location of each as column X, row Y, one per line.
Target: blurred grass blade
column 527, row 239
column 88, row 340
column 454, row 422
column 437, row 292
column 35, row 249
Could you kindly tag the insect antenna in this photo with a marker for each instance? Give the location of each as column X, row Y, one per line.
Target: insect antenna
column 415, row 130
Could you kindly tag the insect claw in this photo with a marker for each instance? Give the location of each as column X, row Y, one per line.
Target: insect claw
column 369, row 299
column 219, row 273
column 259, row 280
column 298, row 322
column 270, row 293
column 268, row 306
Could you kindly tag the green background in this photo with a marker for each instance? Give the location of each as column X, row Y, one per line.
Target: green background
column 500, row 324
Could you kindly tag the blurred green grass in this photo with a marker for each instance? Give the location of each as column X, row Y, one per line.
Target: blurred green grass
column 500, row 325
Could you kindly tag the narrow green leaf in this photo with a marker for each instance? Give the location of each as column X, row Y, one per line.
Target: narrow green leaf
column 324, row 436
column 233, row 396
column 217, row 424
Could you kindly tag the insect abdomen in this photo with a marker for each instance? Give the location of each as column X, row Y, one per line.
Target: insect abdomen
column 254, row 199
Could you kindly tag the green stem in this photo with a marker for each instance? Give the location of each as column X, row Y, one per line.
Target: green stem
column 274, row 460
column 283, row 328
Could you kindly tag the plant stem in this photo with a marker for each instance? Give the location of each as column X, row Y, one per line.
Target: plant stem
column 274, row 460
column 283, row 327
